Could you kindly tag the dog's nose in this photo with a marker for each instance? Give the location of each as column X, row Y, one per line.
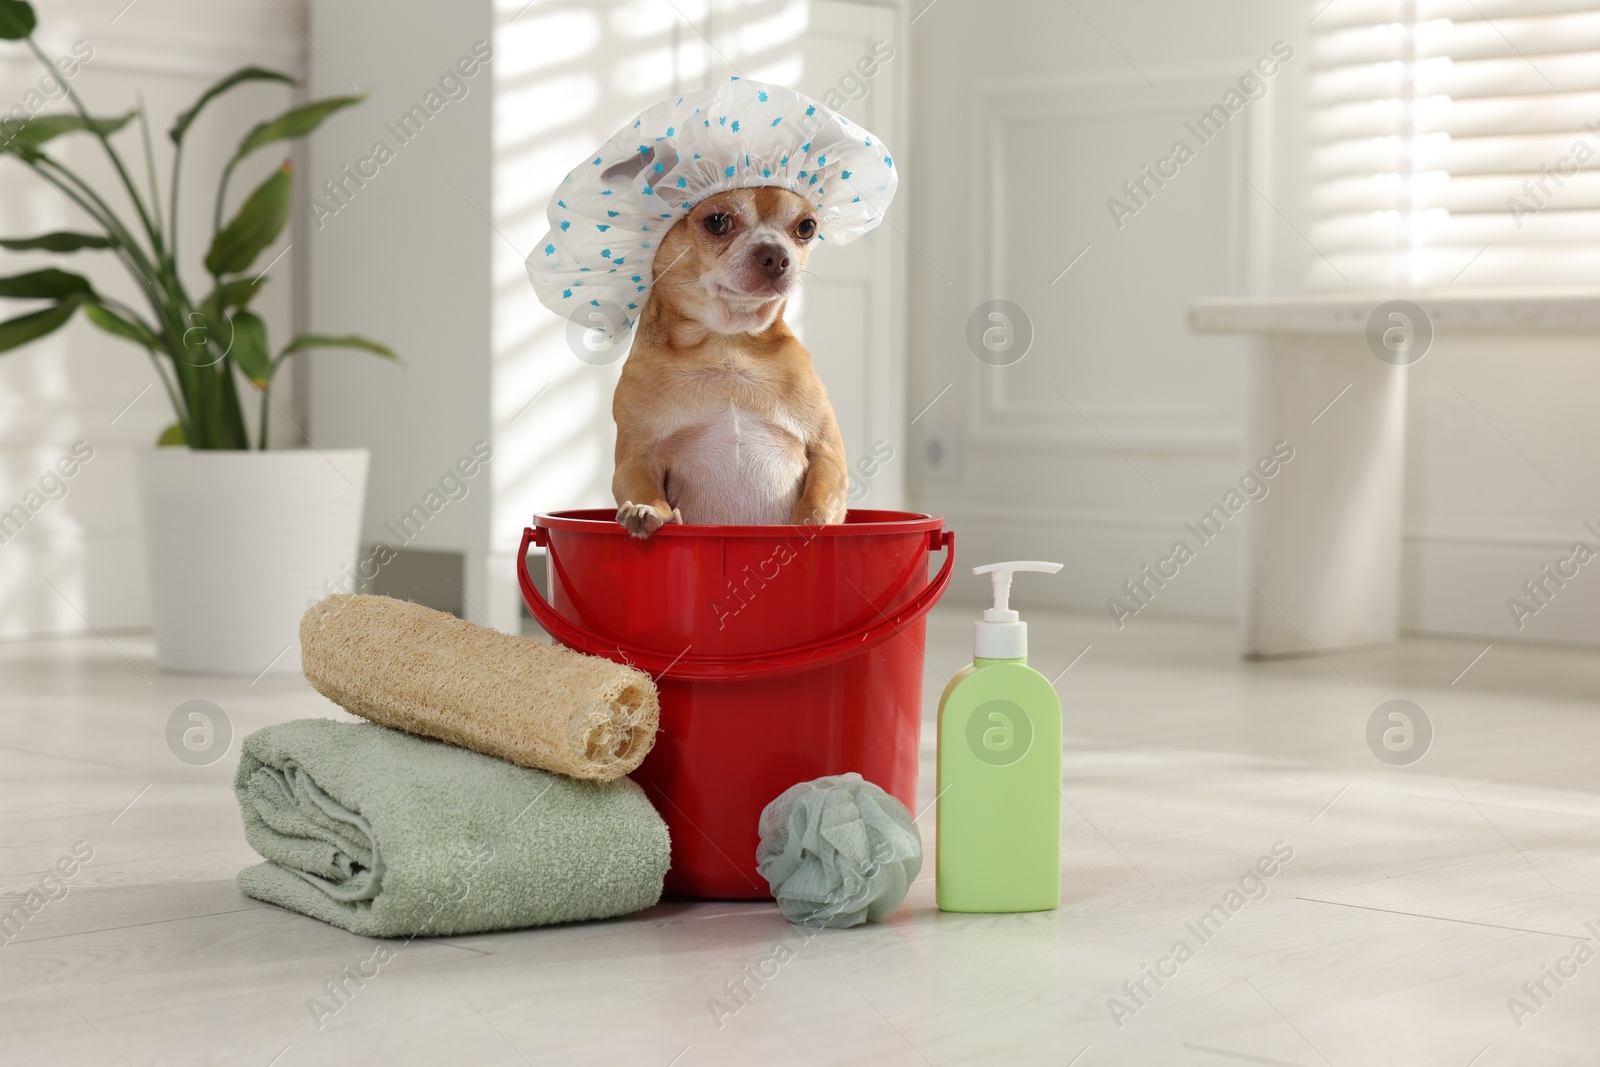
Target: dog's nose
column 772, row 259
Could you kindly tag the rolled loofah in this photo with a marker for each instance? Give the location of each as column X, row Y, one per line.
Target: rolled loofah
column 838, row 852
column 427, row 672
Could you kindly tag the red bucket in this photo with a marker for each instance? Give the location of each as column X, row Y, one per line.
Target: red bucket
column 782, row 654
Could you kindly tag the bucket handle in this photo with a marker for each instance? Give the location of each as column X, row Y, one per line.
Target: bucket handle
column 733, row 668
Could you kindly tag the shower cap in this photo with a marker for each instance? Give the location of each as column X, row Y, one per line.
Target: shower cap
column 838, row 852
column 609, row 214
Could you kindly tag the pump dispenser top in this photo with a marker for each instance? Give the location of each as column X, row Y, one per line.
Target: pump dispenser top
column 1001, row 633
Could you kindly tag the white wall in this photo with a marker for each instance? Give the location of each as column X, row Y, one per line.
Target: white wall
column 1028, row 117
column 1501, row 478
column 79, row 384
column 405, row 260
column 1027, row 120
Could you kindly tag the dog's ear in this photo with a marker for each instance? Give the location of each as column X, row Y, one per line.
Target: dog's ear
column 629, row 168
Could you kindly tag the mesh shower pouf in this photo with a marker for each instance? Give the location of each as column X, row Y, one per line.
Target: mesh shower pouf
column 838, row 851
column 608, row 215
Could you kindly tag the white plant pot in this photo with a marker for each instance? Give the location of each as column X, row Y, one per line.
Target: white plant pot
column 237, row 544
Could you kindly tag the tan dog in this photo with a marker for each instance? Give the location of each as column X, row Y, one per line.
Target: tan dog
column 720, row 418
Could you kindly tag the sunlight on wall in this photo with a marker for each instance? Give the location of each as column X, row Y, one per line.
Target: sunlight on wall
column 42, row 409
column 569, row 74
column 77, row 566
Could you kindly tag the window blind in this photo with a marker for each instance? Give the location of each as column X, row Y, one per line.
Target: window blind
column 1455, row 142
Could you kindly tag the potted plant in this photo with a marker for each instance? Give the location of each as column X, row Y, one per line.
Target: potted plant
column 237, row 537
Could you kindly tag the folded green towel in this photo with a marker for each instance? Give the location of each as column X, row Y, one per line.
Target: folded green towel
column 391, row 835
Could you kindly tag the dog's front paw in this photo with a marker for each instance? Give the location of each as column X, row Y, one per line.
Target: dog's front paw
column 642, row 520
column 816, row 515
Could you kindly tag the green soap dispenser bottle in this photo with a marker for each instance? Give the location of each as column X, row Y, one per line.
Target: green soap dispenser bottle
column 999, row 799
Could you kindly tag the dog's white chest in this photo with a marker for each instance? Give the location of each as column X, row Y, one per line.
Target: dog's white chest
column 736, row 469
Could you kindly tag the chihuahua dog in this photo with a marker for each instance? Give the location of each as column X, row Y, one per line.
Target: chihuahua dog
column 720, row 418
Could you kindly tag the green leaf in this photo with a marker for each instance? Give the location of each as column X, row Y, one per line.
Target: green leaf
column 256, row 226
column 235, row 294
column 16, row 20
column 36, row 324
column 244, row 74
column 294, row 123
column 249, row 348
column 172, row 436
column 128, row 329
column 56, row 242
column 48, row 284
column 321, row 340
column 48, row 127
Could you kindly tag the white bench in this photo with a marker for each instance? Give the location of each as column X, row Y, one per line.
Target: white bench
column 1321, row 554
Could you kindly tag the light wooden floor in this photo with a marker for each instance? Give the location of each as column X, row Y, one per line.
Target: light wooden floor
column 1418, row 900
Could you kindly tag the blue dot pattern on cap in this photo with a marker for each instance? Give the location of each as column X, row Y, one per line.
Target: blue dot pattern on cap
column 748, row 134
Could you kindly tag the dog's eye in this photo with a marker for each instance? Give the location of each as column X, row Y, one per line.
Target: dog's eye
column 718, row 224
column 807, row 229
